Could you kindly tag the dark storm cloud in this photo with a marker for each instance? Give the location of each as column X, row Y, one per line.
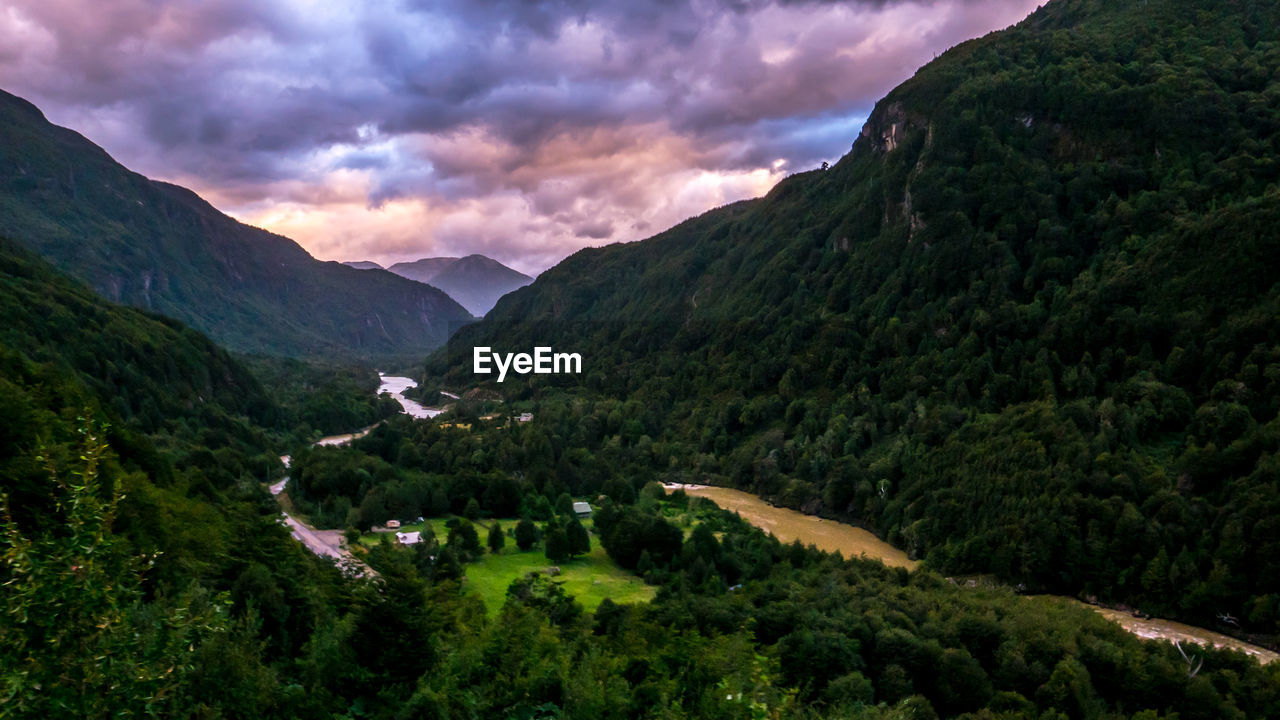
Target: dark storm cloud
column 527, row 128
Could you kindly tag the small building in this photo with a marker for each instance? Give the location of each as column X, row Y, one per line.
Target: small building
column 524, row 417
column 393, row 524
column 581, row 509
column 409, row 538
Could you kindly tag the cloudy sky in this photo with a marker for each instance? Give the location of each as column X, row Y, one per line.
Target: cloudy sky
column 390, row 130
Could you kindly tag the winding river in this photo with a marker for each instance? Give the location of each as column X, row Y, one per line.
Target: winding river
column 396, row 387
column 329, row 543
column 789, row 525
column 785, row 524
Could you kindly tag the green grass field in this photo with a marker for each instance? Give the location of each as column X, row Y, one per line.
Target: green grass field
column 589, row 578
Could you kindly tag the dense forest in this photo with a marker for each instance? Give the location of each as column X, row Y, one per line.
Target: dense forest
column 742, row 625
column 144, row 572
column 327, row 398
column 1027, row 326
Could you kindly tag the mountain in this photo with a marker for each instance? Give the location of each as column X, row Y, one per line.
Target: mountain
column 475, row 281
column 161, row 394
column 147, row 572
column 159, row 246
column 363, row 265
column 1027, row 326
column 423, row 270
column 132, row 452
column 63, row 342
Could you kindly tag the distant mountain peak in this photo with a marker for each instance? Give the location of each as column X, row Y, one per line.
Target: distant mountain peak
column 422, row 270
column 475, row 281
column 363, row 265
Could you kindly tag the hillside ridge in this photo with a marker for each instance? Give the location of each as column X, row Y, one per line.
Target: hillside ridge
column 160, row 246
column 1025, row 326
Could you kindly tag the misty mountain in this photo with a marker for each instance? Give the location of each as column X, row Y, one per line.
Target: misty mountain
column 159, row 246
column 363, row 265
column 423, row 270
column 475, row 281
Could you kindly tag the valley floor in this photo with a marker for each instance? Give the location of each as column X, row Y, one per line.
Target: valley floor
column 588, row 579
column 788, row 525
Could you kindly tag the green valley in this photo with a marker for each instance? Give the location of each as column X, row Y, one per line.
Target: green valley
column 1027, row 326
column 1023, row 335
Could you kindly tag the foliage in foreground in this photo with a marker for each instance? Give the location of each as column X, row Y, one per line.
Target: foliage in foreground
column 743, row 627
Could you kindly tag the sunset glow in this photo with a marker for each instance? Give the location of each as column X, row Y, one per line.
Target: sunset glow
column 388, row 131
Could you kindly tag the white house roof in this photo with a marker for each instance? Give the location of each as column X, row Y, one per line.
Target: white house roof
column 581, row 507
column 409, row 538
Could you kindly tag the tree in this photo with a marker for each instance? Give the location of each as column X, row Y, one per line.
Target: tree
column 465, row 539
column 564, row 505
column 393, row 629
column 447, row 566
column 496, row 539
column 644, row 565
column 543, row 594
column 579, row 541
column 76, row 632
column 526, row 534
column 540, row 508
column 620, row 491
column 634, row 532
column 557, row 545
column 373, row 510
column 472, row 510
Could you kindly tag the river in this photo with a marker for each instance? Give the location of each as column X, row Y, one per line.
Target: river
column 789, row 525
column 396, row 386
column 1157, row 629
column 329, row 543
column 785, row 524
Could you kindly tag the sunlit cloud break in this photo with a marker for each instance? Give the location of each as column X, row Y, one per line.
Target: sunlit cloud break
column 522, row 130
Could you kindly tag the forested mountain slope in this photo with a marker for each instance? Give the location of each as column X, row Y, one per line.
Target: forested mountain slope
column 134, row 536
column 144, row 572
column 1027, row 326
column 65, row 351
column 160, row 247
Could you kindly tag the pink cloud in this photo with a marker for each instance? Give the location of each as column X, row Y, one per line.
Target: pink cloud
column 524, row 131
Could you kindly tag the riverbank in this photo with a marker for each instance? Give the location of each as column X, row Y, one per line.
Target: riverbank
column 329, row 543
column 396, row 386
column 325, row 543
column 790, row 525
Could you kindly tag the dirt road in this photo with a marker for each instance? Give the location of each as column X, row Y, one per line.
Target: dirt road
column 325, row 543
